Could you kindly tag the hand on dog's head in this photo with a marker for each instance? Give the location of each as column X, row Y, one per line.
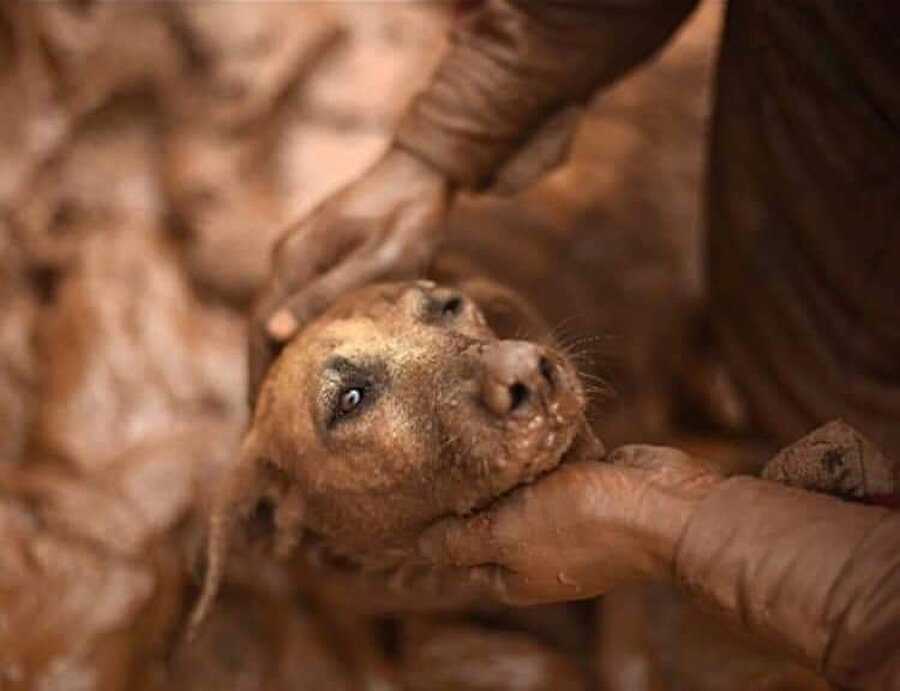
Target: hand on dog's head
column 396, row 407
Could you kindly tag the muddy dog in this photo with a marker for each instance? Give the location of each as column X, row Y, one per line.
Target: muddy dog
column 398, row 406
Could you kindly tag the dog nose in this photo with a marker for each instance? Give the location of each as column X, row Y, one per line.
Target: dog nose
column 515, row 375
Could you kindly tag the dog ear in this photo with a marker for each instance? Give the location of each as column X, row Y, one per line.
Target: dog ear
column 507, row 313
column 252, row 483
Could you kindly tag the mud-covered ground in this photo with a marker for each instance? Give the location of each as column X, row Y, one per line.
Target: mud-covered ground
column 150, row 153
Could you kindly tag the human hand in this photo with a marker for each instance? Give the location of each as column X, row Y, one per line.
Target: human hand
column 579, row 531
column 383, row 225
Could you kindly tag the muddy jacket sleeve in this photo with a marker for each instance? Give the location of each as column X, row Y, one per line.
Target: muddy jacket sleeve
column 818, row 576
column 512, row 63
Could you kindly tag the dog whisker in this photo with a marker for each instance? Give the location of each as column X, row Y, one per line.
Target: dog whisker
column 557, row 333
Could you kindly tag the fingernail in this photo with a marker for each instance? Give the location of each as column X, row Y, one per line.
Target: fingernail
column 282, row 325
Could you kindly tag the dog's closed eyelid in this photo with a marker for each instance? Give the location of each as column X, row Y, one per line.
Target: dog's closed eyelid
column 441, row 308
column 453, row 306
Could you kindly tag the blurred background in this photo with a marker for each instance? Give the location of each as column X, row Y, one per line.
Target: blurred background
column 150, row 155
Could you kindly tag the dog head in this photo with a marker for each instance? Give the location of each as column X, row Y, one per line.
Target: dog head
column 398, row 406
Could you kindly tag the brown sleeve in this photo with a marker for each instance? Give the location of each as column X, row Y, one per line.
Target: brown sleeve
column 512, row 63
column 818, row 576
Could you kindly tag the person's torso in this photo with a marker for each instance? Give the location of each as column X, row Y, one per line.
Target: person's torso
column 804, row 212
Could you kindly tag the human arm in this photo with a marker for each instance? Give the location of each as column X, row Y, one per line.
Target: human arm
column 816, row 576
column 511, row 65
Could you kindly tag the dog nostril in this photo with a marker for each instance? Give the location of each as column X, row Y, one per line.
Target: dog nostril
column 518, row 395
column 547, row 370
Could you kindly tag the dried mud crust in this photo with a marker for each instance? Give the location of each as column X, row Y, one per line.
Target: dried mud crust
column 150, row 154
column 129, row 355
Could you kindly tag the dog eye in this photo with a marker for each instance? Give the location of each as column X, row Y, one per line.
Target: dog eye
column 350, row 400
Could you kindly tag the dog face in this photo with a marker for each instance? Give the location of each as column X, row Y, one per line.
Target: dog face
column 400, row 405
column 396, row 407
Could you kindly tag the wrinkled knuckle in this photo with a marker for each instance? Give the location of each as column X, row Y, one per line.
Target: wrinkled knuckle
column 629, row 454
column 620, row 456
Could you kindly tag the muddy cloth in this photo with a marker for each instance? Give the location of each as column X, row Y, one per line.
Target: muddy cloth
column 836, row 459
column 816, row 575
column 804, row 191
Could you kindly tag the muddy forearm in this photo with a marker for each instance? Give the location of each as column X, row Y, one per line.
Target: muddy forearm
column 814, row 574
column 513, row 63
